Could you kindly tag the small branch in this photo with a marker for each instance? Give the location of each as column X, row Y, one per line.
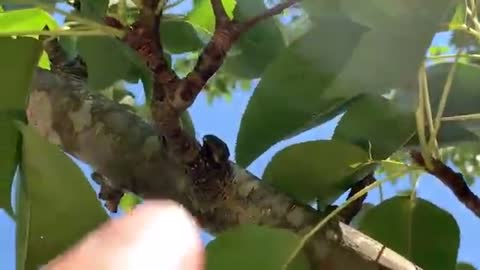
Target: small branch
column 279, row 8
column 59, row 62
column 352, row 210
column 219, row 12
column 214, row 54
column 454, row 181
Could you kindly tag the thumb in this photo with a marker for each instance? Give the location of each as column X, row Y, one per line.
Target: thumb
column 156, row 235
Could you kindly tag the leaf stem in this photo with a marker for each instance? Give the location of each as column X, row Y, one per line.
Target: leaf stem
column 443, row 100
column 464, row 117
column 54, row 33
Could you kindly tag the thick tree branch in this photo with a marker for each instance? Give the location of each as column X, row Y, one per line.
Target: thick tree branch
column 126, row 150
column 172, row 96
column 453, row 180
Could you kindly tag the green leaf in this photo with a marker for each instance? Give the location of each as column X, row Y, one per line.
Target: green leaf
column 26, row 20
column 32, row 19
column 202, row 14
column 464, row 94
column 377, row 125
column 254, row 247
column 257, row 47
column 465, row 266
column 109, row 60
column 389, row 55
column 18, row 60
column 422, row 232
column 289, row 98
column 129, row 201
column 462, row 100
column 179, row 37
column 316, row 170
column 57, row 205
column 94, row 9
column 9, row 155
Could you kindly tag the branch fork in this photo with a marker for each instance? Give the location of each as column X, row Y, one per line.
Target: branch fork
column 172, row 96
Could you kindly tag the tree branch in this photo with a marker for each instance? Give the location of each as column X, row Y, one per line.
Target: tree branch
column 219, row 12
column 172, row 96
column 121, row 146
column 226, row 33
column 279, row 8
column 352, row 210
column 454, row 181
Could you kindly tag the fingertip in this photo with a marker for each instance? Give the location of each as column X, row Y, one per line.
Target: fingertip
column 155, row 235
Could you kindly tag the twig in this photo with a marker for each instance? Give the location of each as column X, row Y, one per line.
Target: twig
column 352, row 210
column 171, row 95
column 269, row 13
column 226, row 33
column 219, row 12
column 60, row 63
column 454, row 181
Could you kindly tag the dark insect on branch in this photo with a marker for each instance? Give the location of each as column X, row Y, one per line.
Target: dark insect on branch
column 453, row 180
column 171, row 95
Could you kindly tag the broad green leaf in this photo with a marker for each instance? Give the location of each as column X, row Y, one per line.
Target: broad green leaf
column 256, row 48
column 17, row 62
column 58, row 206
column 202, row 14
column 450, row 134
column 9, row 141
column 94, row 9
column 109, row 60
column 28, row 20
column 254, row 247
column 32, row 19
column 317, row 169
column 389, row 55
column 419, row 230
column 179, row 37
column 376, row 125
column 465, row 266
column 464, row 94
column 18, row 58
column 129, row 201
column 462, row 100
column 289, row 98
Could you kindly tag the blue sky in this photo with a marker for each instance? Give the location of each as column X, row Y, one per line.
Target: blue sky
column 223, row 118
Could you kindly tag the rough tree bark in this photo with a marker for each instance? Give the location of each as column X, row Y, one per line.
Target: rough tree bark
column 125, row 149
